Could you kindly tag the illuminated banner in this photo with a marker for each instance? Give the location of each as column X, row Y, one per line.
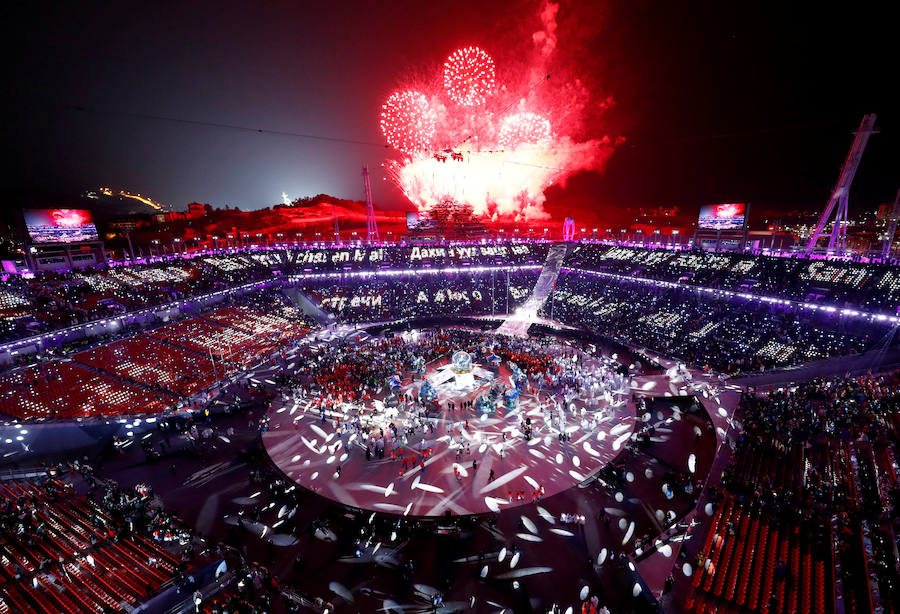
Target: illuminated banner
column 366, row 299
column 726, row 216
column 60, row 225
column 340, row 256
column 462, row 252
column 357, row 301
column 451, row 296
column 413, row 256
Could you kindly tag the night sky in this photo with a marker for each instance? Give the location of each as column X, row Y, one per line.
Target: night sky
column 718, row 101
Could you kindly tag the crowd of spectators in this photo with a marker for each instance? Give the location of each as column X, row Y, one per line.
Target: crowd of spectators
column 63, row 389
column 735, row 335
column 49, row 301
column 726, row 335
column 237, row 335
column 812, row 429
column 871, row 286
column 63, row 553
column 53, row 300
column 817, row 464
column 329, row 258
column 373, row 299
column 152, row 370
column 153, row 363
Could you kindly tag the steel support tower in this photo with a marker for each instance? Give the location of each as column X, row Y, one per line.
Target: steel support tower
column 371, row 225
column 837, row 204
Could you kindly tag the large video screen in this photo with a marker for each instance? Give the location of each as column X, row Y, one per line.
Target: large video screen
column 414, row 222
column 60, row 225
column 726, row 216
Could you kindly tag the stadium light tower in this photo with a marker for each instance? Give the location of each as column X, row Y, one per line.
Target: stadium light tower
column 892, row 227
column 337, row 229
column 569, row 229
column 838, row 241
column 371, row 225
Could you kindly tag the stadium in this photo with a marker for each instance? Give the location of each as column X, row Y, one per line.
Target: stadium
column 552, row 419
column 599, row 327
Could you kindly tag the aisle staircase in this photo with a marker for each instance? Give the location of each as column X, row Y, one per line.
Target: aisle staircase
column 517, row 323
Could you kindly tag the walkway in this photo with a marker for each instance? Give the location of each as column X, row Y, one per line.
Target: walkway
column 518, row 323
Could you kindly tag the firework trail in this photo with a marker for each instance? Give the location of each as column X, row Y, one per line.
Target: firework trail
column 408, row 122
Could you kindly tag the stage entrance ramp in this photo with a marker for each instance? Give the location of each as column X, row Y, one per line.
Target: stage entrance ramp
column 518, row 322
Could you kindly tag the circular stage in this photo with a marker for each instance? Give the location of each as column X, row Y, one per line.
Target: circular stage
column 458, row 452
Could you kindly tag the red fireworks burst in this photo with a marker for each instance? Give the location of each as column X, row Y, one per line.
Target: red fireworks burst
column 408, row 121
column 469, row 76
column 524, row 129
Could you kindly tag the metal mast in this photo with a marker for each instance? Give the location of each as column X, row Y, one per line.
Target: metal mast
column 337, row 230
column 838, row 240
column 892, row 227
column 371, row 226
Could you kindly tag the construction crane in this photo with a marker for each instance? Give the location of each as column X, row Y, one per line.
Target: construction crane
column 371, row 225
column 837, row 204
column 892, row 227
